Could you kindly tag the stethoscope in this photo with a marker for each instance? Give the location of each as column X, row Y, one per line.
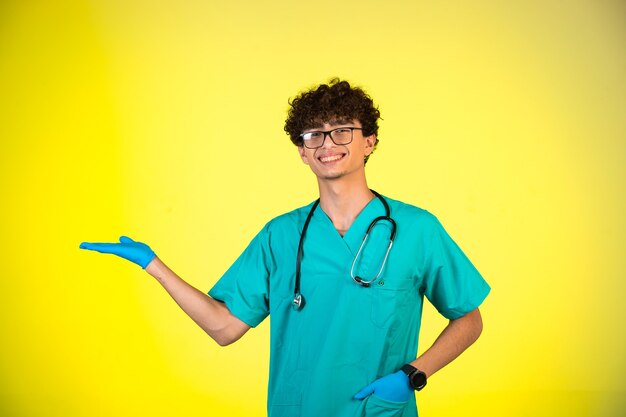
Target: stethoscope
column 298, row 300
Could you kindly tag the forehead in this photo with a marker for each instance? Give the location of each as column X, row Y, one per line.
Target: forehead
column 335, row 121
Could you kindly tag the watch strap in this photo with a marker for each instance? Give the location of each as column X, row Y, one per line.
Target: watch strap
column 408, row 369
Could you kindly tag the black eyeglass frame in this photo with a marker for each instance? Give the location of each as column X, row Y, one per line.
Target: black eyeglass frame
column 330, row 134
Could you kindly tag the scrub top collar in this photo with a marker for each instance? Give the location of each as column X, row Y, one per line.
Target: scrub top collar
column 354, row 236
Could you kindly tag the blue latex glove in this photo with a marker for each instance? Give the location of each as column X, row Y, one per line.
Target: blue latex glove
column 393, row 387
column 136, row 252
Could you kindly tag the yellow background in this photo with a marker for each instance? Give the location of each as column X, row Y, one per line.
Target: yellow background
column 163, row 121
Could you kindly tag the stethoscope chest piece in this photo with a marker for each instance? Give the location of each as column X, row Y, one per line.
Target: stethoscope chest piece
column 298, row 302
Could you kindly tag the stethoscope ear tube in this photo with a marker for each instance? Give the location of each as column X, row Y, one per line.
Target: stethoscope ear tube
column 358, row 279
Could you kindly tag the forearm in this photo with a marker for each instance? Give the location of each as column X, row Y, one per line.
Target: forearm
column 211, row 315
column 458, row 335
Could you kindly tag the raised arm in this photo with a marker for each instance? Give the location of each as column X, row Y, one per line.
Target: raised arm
column 211, row 315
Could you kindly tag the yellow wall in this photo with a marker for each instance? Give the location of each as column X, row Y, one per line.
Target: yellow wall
column 163, row 121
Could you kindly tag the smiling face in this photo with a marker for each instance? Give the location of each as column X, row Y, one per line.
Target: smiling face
column 326, row 104
column 333, row 162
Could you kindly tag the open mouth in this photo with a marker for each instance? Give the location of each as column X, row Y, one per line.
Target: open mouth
column 331, row 158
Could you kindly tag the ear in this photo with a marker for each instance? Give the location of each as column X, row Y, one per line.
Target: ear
column 302, row 153
column 370, row 141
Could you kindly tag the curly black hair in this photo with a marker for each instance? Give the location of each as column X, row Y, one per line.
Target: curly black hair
column 336, row 101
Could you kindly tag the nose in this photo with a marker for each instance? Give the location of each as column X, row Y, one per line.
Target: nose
column 330, row 142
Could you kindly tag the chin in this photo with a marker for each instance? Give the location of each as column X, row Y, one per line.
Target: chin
column 332, row 176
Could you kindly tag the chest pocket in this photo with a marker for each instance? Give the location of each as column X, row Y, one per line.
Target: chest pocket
column 392, row 294
column 391, row 298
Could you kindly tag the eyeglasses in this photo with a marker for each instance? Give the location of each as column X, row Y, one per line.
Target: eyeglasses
column 339, row 136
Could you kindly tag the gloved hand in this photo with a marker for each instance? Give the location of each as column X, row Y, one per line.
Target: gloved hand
column 136, row 252
column 392, row 387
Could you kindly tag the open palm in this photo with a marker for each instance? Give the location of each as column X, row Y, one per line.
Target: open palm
column 136, row 252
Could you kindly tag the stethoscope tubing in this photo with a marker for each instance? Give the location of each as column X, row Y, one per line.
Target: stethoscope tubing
column 298, row 299
column 300, row 247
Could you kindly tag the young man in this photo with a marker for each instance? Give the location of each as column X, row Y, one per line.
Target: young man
column 345, row 302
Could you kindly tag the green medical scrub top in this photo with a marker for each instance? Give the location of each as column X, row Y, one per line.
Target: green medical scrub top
column 347, row 335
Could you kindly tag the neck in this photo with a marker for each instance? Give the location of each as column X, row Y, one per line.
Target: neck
column 342, row 201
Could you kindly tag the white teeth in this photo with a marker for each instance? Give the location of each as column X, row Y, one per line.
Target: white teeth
column 331, row 158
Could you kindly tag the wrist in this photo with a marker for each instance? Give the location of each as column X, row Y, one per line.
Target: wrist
column 423, row 366
column 156, row 267
column 417, row 378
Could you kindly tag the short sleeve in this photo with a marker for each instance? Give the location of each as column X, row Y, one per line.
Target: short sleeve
column 245, row 285
column 450, row 281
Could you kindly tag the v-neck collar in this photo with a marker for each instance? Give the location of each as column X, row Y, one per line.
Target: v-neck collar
column 355, row 234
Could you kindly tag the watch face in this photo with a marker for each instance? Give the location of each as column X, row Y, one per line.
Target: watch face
column 418, row 380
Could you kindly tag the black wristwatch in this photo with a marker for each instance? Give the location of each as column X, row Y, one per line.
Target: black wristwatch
column 417, row 378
